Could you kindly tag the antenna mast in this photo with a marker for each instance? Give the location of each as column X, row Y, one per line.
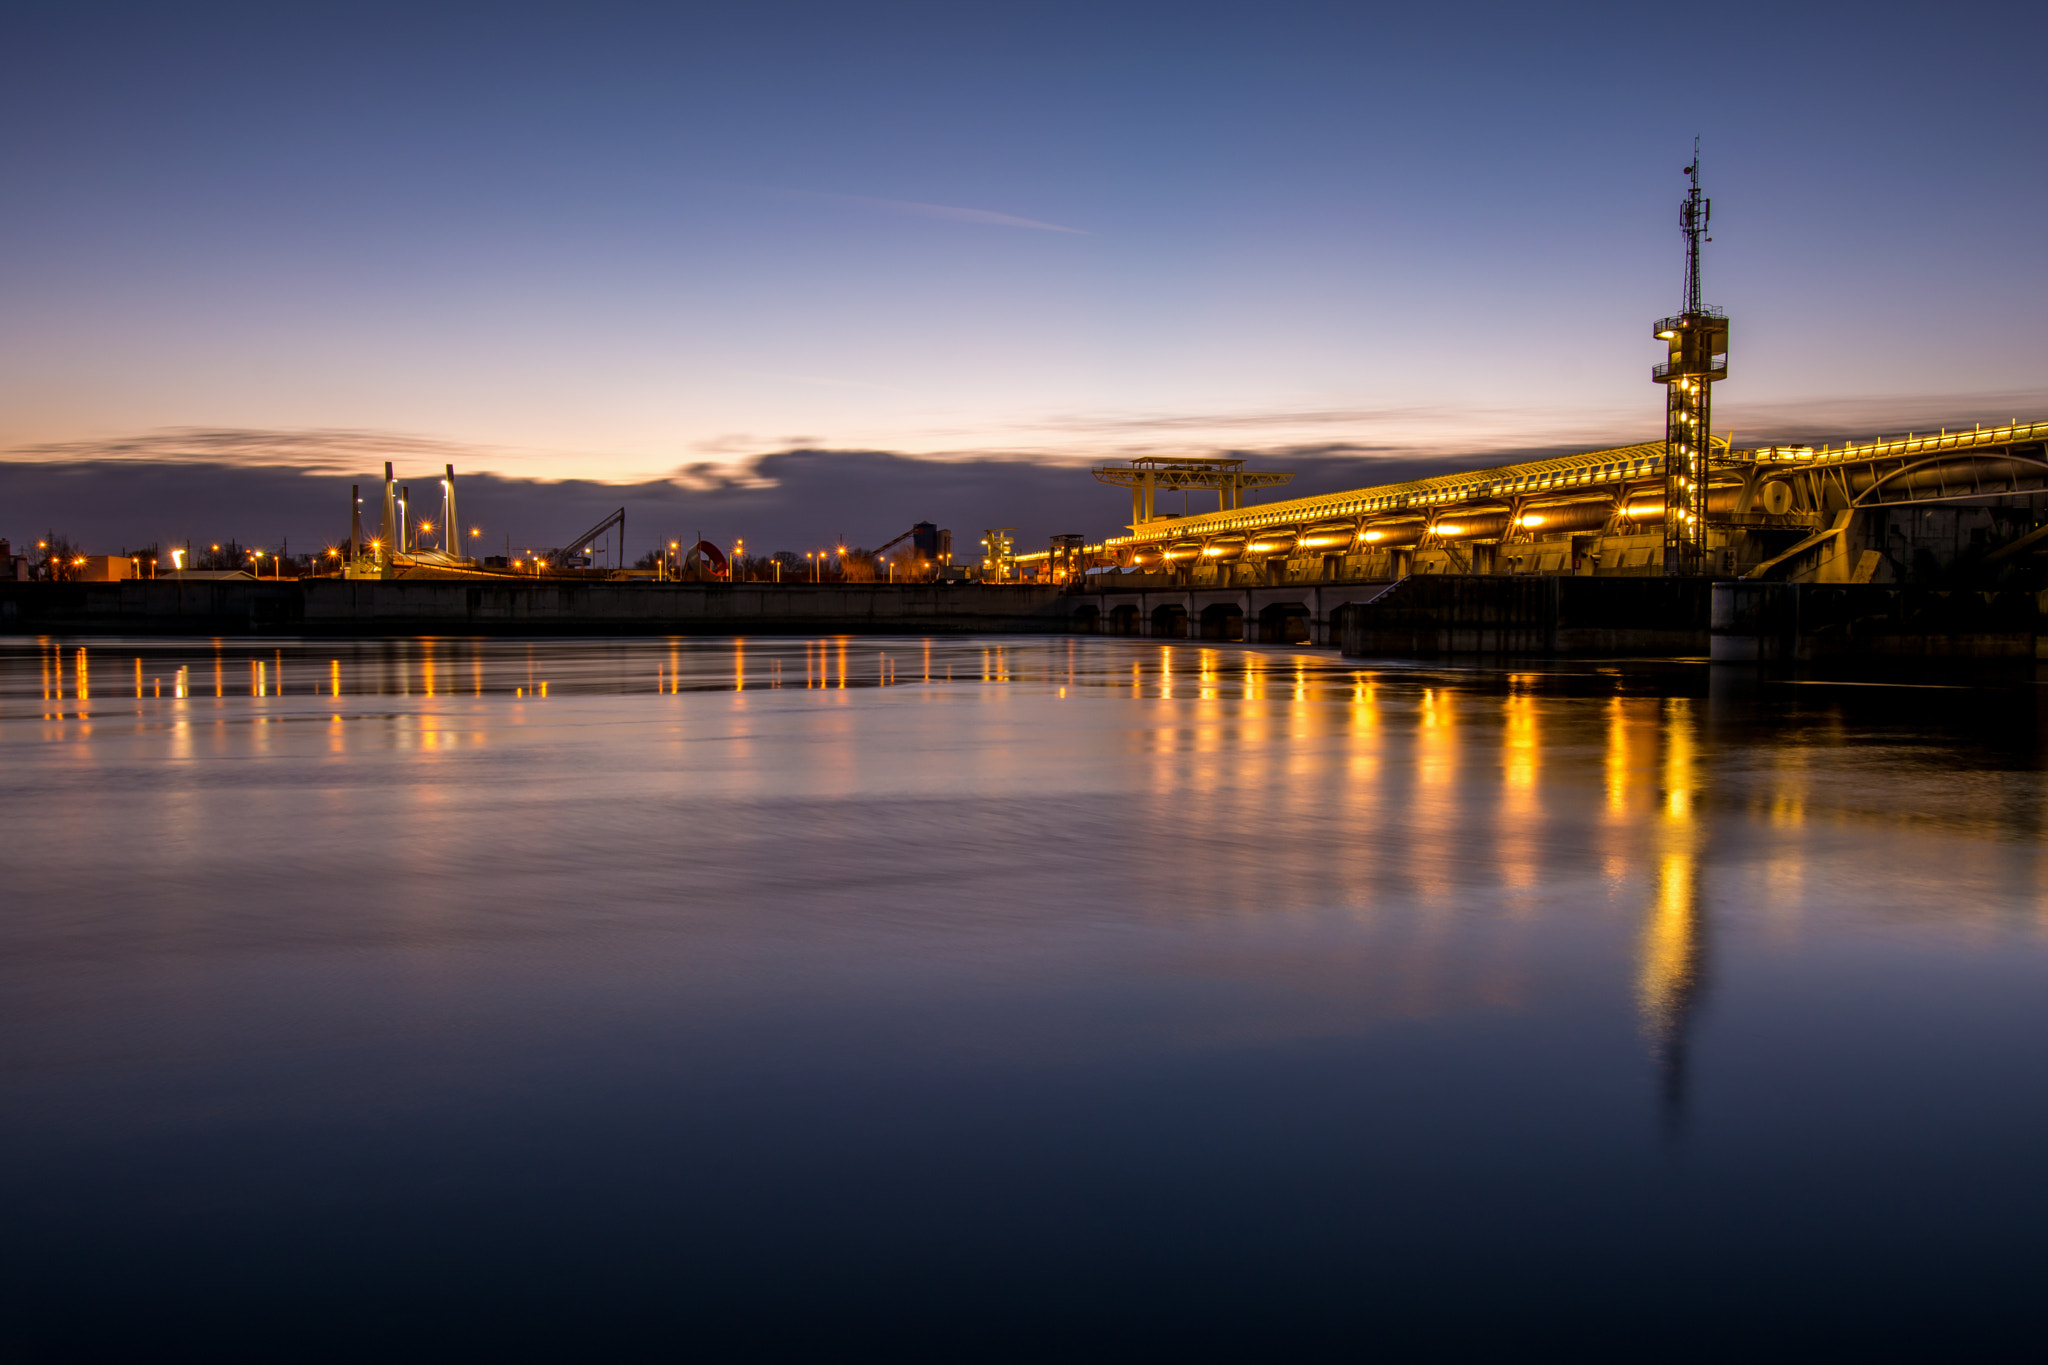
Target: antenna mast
column 1694, row 213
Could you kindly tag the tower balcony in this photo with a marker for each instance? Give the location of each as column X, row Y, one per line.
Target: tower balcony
column 1717, row 368
column 1705, row 317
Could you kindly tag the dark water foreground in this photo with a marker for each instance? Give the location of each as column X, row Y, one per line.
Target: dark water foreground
column 1018, row 999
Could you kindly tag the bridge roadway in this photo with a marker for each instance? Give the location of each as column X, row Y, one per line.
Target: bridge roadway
column 1882, row 511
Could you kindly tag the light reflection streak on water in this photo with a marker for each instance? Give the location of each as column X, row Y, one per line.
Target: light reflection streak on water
column 1672, row 954
column 1521, row 803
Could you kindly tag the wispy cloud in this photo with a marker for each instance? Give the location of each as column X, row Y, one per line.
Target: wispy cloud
column 951, row 213
column 320, row 450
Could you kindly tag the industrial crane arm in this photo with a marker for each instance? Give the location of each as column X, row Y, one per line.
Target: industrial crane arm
column 589, row 538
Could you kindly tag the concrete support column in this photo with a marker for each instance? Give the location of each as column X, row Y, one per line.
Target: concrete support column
column 1194, row 617
column 1251, row 619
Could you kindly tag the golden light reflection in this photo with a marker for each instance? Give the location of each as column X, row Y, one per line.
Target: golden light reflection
column 1436, row 735
column 1521, row 808
column 1672, row 949
column 1365, row 766
column 1678, row 756
column 1520, row 740
column 1617, row 756
column 1668, row 969
column 1437, row 815
column 333, row 676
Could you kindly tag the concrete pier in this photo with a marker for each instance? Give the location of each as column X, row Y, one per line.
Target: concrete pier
column 1811, row 622
column 1442, row 614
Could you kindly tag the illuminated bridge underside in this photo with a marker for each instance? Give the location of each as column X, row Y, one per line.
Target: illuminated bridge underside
column 1601, row 512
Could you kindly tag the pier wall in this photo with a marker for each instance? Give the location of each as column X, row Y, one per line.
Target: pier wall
column 1811, row 622
column 429, row 607
column 1440, row 614
column 1731, row 621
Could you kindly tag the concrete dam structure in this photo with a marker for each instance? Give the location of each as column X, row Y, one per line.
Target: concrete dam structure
column 1913, row 511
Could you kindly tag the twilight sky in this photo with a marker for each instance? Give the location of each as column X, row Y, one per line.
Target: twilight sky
column 614, row 243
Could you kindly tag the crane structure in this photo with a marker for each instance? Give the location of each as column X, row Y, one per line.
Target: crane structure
column 930, row 547
column 586, row 544
column 1698, row 339
column 1149, row 475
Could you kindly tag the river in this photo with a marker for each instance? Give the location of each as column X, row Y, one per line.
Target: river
column 1010, row 999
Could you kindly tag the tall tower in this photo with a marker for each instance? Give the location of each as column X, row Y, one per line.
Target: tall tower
column 388, row 524
column 451, row 524
column 1698, row 337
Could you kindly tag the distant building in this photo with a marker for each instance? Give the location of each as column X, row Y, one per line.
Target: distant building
column 102, row 568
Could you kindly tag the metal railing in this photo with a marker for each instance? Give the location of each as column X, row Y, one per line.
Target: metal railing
column 1677, row 324
column 1678, row 369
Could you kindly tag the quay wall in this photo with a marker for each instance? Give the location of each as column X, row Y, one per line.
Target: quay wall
column 1812, row 622
column 467, row 607
column 1440, row 614
column 1730, row 621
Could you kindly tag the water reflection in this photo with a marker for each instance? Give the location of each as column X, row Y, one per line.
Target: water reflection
column 1049, row 941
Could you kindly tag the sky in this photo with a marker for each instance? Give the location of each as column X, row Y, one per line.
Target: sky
column 767, row 265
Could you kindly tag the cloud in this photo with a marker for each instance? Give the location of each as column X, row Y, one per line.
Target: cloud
column 309, row 451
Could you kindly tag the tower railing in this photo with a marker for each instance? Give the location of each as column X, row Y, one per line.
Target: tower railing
column 1678, row 369
column 1673, row 324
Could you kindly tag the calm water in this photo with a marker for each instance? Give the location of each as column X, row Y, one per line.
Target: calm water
column 1032, row 999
